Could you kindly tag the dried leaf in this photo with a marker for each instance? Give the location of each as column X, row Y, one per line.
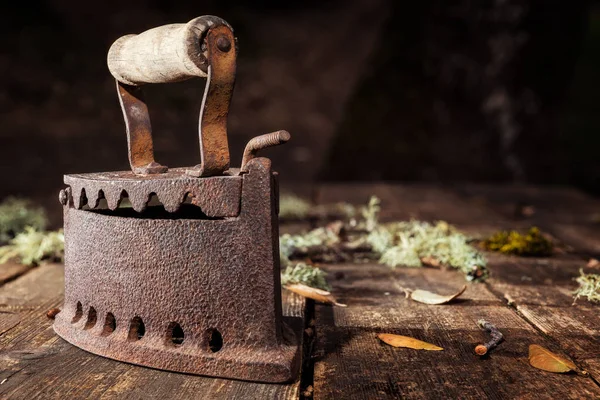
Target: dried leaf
column 593, row 263
column 423, row 296
column 319, row 295
column 430, row 261
column 408, row 342
column 544, row 359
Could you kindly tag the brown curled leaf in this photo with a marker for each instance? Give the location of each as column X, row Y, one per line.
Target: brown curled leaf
column 423, row 296
column 406, row 341
column 431, row 262
column 544, row 359
column 319, row 295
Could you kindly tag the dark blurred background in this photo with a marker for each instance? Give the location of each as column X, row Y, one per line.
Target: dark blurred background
column 434, row 91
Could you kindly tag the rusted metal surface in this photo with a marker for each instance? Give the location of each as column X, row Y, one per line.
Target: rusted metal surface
column 214, row 148
column 139, row 131
column 262, row 142
column 217, row 196
column 187, row 279
column 198, row 296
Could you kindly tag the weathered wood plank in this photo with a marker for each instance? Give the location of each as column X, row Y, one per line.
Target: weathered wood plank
column 567, row 214
column 10, row 271
column 417, row 201
column 541, row 290
column 352, row 363
column 560, row 204
column 397, row 201
column 36, row 363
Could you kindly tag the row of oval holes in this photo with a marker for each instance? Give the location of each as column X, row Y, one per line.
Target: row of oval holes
column 137, row 330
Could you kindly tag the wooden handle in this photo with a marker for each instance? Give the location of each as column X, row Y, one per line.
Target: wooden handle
column 169, row 53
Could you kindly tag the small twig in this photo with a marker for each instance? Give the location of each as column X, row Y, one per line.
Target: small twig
column 406, row 291
column 496, row 338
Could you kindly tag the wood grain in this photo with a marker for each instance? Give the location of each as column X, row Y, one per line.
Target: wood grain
column 36, row 363
column 10, row 271
column 169, row 53
column 542, row 291
column 352, row 363
column 528, row 299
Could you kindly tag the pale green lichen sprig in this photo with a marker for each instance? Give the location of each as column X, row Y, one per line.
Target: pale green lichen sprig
column 589, row 287
column 32, row 247
column 305, row 274
column 17, row 214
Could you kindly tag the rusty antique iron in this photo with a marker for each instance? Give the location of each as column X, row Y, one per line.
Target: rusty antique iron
column 178, row 269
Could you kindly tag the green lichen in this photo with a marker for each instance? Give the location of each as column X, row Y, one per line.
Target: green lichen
column 589, row 287
column 293, row 207
column 370, row 213
column 305, row 274
column 17, row 214
column 302, row 272
column 288, row 244
column 531, row 244
column 31, row 247
column 407, row 243
column 410, row 243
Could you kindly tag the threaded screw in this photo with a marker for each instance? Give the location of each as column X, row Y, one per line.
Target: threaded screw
column 263, row 142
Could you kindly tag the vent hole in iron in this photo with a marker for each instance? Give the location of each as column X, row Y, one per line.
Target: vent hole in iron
column 78, row 313
column 91, row 319
column 215, row 340
column 175, row 334
column 137, row 329
column 110, row 324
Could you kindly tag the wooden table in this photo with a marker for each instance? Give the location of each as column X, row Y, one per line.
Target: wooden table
column 528, row 299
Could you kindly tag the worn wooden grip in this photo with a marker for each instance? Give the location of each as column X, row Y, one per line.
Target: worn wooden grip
column 169, row 53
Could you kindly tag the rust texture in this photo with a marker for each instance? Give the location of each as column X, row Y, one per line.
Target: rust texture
column 186, row 278
column 139, row 131
column 263, row 142
column 217, row 196
column 198, row 296
column 214, row 148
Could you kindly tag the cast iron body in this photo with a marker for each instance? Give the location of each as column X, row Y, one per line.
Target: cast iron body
column 187, row 277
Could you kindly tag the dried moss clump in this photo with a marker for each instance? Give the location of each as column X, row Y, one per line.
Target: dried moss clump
column 289, row 244
column 416, row 243
column 31, row 247
column 589, row 287
column 293, row 207
column 302, row 272
column 17, row 214
column 531, row 244
column 305, row 274
column 362, row 238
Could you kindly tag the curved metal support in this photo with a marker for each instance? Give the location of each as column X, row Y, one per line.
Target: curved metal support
column 214, row 147
column 139, row 131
